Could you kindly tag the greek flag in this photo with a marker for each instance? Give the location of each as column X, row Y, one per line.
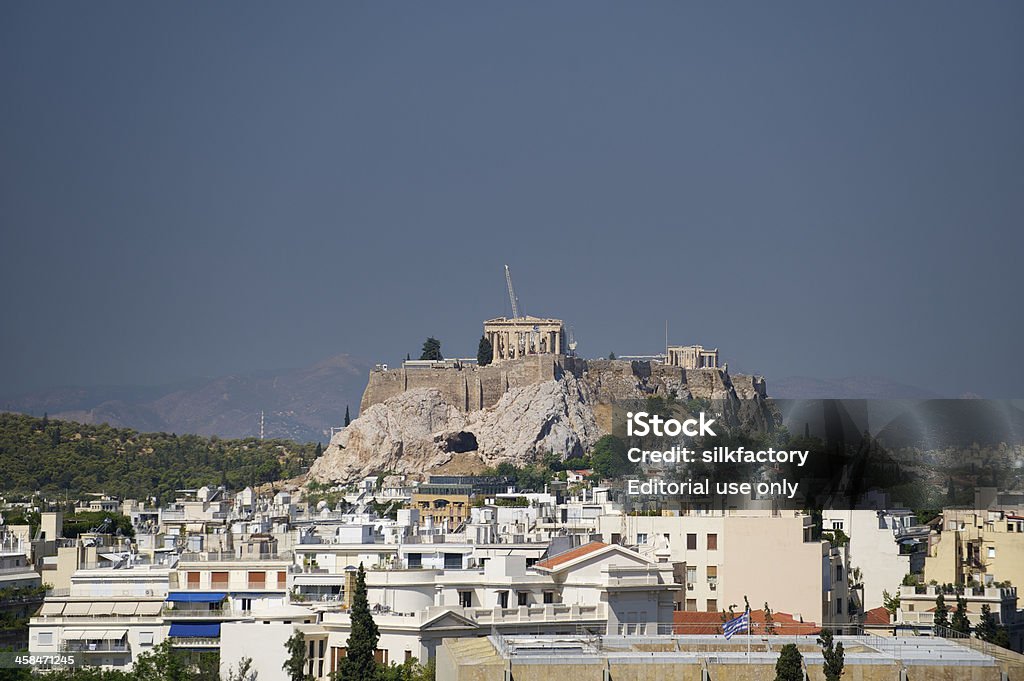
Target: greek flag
column 736, row 625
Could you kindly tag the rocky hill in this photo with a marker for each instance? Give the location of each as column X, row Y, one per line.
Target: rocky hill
column 422, row 419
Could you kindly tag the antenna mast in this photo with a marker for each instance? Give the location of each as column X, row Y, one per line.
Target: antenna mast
column 261, row 424
column 511, row 293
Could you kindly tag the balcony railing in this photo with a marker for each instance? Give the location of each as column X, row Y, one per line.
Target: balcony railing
column 95, row 647
column 194, row 642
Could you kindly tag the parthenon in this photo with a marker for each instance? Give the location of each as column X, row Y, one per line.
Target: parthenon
column 691, row 357
column 513, row 337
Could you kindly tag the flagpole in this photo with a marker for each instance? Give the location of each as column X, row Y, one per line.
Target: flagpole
column 750, row 624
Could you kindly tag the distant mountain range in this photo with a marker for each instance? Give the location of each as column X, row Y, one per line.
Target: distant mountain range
column 304, row 404
column 298, row 404
column 850, row 388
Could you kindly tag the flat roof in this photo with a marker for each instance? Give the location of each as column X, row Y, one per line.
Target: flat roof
column 697, row 649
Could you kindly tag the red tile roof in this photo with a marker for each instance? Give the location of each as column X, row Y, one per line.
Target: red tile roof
column 877, row 616
column 571, row 554
column 711, row 623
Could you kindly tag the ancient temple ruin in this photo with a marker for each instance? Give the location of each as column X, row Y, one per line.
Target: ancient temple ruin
column 514, row 337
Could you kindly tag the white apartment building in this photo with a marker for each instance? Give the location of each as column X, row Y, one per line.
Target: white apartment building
column 885, row 546
column 597, row 587
column 110, row 615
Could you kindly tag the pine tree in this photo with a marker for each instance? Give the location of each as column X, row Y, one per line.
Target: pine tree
column 348, row 420
column 835, row 658
column 611, row 355
column 359, row 663
column 484, row 352
column 941, row 619
column 960, row 622
column 790, row 664
column 986, row 629
column 295, row 665
column 432, row 349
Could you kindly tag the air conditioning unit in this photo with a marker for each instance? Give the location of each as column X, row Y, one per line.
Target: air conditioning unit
column 689, row 587
column 713, row 586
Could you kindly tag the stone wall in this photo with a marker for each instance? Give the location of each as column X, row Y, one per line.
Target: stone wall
column 469, row 388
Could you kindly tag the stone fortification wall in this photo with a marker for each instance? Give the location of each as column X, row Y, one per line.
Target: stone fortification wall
column 470, row 387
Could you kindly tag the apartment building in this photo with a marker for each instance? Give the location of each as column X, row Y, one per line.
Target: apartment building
column 720, row 558
column 884, row 546
column 597, row 587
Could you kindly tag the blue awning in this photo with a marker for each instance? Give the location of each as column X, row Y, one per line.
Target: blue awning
column 196, row 597
column 194, row 630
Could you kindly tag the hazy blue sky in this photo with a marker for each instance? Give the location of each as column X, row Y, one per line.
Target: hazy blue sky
column 818, row 189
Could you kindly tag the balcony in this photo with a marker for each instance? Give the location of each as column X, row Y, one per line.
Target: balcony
column 194, row 642
column 95, row 647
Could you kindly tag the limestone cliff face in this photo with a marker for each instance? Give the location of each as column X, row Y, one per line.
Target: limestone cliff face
column 416, row 431
column 413, row 423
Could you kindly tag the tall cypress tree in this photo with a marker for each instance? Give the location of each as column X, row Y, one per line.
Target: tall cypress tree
column 960, row 622
column 835, row 657
column 789, row 666
column 941, row 619
column 347, row 419
column 360, row 664
column 484, row 352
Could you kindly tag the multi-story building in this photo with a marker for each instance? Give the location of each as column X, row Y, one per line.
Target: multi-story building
column 918, row 605
column 720, row 558
column 109, row 615
column 984, row 546
column 597, row 587
column 884, row 545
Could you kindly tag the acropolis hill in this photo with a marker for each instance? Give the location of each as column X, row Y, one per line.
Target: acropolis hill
column 534, row 397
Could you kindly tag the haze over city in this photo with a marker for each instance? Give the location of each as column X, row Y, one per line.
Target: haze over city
column 835, row 191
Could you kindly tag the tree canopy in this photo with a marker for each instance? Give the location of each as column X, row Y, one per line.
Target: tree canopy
column 431, row 349
column 63, row 457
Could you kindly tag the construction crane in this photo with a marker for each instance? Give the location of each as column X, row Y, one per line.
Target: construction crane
column 511, row 293
column 572, row 342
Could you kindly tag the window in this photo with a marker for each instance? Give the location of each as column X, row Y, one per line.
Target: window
column 691, row 542
column 991, row 552
column 523, row 597
column 502, row 599
column 408, row 655
column 910, row 607
column 282, row 579
column 691, row 574
column 415, row 560
column 839, row 573
column 641, row 537
column 257, row 579
column 549, row 597
column 193, row 580
column 839, row 606
column 712, row 605
column 453, row 561
column 246, row 604
column 466, row 599
column 837, row 525
column 381, row 656
column 691, row 605
column 219, row 580
column 46, row 638
column 145, row 638
column 712, row 542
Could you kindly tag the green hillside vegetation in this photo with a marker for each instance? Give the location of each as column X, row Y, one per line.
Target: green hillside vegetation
column 62, row 457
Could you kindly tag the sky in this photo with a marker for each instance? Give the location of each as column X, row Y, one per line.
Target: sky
column 817, row 189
